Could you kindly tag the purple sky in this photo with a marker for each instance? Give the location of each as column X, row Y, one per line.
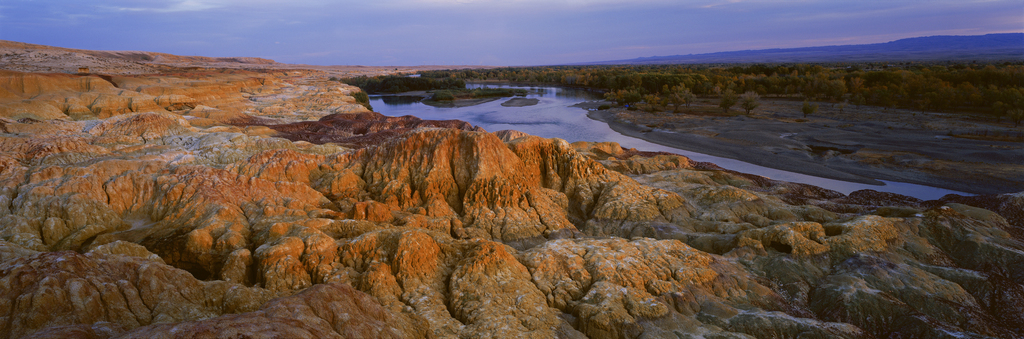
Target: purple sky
column 488, row 32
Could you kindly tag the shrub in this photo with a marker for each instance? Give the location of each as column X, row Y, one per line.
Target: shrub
column 443, row 95
column 749, row 101
column 808, row 108
column 728, row 100
column 1016, row 115
column 363, row 99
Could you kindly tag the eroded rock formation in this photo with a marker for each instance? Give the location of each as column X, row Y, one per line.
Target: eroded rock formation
column 205, row 98
column 202, row 205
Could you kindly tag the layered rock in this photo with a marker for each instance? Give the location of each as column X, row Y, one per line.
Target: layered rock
column 206, row 98
column 322, row 311
column 357, row 130
column 169, row 223
column 65, row 294
column 115, row 292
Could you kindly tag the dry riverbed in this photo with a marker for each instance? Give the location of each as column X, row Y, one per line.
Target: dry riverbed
column 857, row 144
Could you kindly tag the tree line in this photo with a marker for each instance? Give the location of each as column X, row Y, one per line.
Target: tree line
column 994, row 88
column 399, row 84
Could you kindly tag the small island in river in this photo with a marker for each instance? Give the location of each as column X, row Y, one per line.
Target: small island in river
column 470, row 97
column 520, row 102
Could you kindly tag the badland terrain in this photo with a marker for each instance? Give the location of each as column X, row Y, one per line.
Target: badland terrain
column 150, row 199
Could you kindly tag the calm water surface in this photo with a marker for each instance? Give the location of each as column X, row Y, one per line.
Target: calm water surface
column 553, row 117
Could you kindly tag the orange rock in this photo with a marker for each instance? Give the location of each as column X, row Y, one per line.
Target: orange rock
column 322, row 311
column 146, row 126
column 447, row 230
column 66, row 288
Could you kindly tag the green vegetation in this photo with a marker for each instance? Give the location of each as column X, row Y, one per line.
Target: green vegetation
column 679, row 95
column 478, row 93
column 624, row 97
column 443, row 95
column 749, row 101
column 808, row 108
column 935, row 86
column 399, row 84
column 727, row 99
column 363, row 99
column 1016, row 115
column 446, row 89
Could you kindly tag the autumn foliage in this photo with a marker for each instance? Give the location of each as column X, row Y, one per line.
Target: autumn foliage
column 995, row 89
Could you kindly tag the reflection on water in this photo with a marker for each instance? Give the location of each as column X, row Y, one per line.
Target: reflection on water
column 553, row 117
column 397, row 100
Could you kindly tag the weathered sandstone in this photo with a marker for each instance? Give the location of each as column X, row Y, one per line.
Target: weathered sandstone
column 248, row 204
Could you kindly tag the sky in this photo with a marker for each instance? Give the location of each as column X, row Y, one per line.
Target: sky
column 487, row 32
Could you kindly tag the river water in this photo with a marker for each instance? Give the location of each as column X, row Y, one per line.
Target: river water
column 553, row 117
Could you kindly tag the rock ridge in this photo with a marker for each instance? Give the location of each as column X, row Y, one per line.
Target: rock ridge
column 273, row 212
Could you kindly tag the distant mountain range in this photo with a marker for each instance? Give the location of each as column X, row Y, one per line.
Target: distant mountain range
column 989, row 47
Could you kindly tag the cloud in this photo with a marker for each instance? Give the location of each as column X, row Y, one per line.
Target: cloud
column 494, row 31
column 180, row 6
column 540, row 5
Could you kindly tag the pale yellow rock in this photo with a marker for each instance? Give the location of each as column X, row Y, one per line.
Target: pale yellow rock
column 128, row 249
column 797, row 238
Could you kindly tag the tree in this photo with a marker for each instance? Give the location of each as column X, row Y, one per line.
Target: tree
column 680, row 95
column 808, row 108
column 856, row 84
column 652, row 102
column 835, row 89
column 624, row 97
column 923, row 104
column 1016, row 115
column 728, row 100
column 858, row 100
column 998, row 110
column 749, row 101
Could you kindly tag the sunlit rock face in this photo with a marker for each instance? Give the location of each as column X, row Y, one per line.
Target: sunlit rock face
column 204, row 98
column 240, row 204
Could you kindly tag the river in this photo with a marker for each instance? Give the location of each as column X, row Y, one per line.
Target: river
column 553, row 117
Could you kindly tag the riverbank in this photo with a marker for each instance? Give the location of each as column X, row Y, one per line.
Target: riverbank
column 859, row 145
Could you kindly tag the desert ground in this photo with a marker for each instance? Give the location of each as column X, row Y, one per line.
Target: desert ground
column 849, row 143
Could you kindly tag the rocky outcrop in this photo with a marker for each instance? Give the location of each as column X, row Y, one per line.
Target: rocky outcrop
column 26, row 57
column 172, row 223
column 357, row 130
column 205, row 98
column 116, row 292
column 65, row 294
column 1009, row 206
column 321, row 311
column 631, row 161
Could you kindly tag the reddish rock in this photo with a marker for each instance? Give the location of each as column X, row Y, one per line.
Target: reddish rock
column 321, row 311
